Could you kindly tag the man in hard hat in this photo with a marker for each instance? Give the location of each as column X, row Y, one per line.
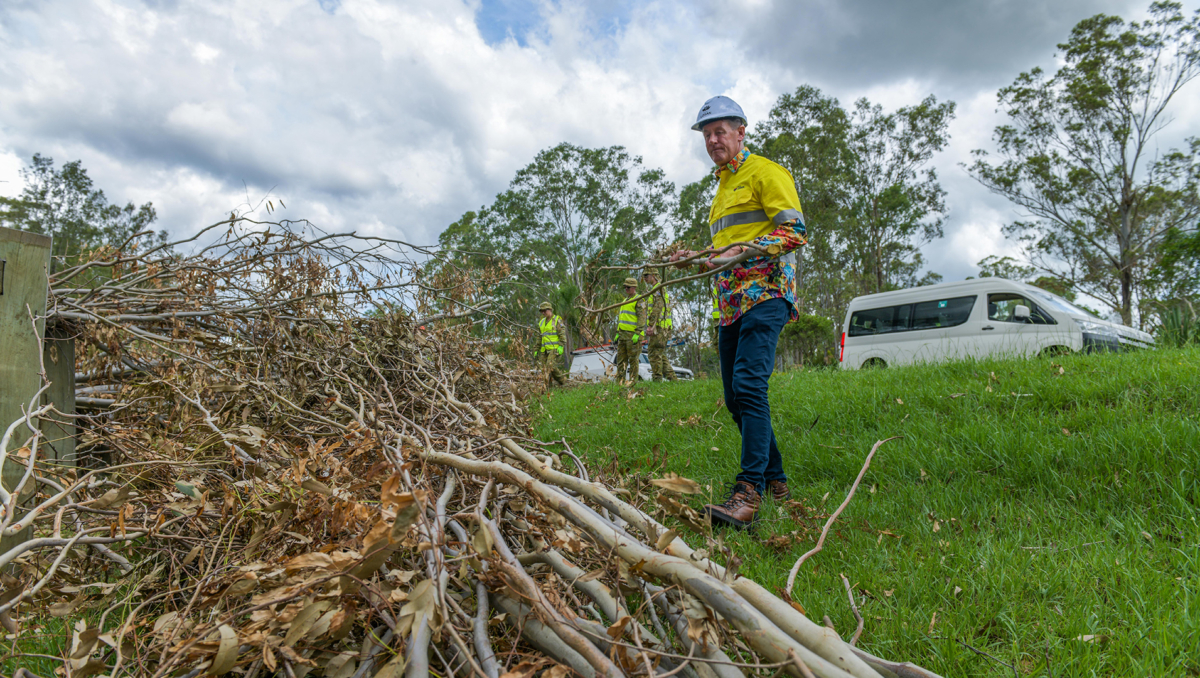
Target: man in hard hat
column 658, row 330
column 631, row 327
column 756, row 202
column 551, row 350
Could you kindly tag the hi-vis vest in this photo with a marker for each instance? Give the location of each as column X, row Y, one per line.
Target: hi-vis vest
column 665, row 321
column 627, row 321
column 716, row 314
column 550, row 340
column 752, row 202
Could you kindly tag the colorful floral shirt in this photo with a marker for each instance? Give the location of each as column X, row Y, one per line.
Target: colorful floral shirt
column 758, row 280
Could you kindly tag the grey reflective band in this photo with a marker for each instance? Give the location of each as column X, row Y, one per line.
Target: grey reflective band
column 788, row 215
column 739, row 219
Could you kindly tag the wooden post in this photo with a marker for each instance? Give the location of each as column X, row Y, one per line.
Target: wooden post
column 58, row 355
column 25, row 258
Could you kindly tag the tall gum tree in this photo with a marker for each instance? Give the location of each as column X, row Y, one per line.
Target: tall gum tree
column 565, row 216
column 1077, row 154
column 869, row 194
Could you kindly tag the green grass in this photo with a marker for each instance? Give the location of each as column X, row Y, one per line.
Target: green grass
column 1057, row 504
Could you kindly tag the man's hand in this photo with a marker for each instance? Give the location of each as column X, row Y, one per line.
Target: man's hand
column 707, row 264
column 683, row 254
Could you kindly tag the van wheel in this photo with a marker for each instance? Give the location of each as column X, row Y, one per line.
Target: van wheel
column 1054, row 351
column 874, row 363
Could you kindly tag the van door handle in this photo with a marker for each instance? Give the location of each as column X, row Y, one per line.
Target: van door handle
column 989, row 327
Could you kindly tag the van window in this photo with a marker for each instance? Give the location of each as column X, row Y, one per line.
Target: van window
column 942, row 313
column 906, row 317
column 1002, row 307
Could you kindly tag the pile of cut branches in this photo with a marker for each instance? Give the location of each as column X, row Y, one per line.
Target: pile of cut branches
column 297, row 458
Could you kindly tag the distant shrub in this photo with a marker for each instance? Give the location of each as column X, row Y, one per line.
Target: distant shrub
column 1178, row 325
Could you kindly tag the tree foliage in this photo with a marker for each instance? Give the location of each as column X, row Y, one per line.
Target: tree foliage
column 564, row 218
column 1078, row 154
column 869, row 195
column 65, row 204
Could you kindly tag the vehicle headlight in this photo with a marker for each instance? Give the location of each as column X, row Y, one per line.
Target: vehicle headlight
column 1096, row 328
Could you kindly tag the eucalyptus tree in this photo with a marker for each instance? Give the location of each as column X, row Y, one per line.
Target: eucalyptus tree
column 564, row 219
column 65, row 204
column 1079, row 154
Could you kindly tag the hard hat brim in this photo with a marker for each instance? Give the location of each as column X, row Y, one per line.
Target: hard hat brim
column 701, row 123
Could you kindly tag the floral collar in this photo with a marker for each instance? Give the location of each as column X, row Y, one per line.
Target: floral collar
column 734, row 164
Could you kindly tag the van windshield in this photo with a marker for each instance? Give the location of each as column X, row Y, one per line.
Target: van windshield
column 1059, row 304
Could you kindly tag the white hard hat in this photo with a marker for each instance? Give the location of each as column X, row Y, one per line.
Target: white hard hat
column 717, row 108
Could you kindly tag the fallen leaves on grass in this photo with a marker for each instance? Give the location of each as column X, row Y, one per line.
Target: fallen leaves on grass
column 673, row 482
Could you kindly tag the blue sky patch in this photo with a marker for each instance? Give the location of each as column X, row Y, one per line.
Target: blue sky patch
column 499, row 19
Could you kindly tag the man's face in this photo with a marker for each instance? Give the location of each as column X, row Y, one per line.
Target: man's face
column 723, row 140
column 630, row 291
column 650, row 279
column 546, row 313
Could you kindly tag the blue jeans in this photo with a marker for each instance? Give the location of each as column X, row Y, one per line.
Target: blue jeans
column 747, row 349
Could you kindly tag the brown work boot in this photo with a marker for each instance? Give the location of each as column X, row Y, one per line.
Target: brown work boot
column 739, row 509
column 779, row 490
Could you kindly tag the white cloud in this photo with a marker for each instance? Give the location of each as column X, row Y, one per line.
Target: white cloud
column 395, row 117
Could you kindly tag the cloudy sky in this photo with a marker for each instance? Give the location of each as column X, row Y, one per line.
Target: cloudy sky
column 395, row 117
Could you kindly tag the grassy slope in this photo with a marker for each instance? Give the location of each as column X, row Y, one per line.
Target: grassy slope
column 1067, row 512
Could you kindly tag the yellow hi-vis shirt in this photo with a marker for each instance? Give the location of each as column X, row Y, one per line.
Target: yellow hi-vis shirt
column 752, row 202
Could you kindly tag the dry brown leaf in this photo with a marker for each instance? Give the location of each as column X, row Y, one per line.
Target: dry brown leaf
column 305, row 621
column 247, row 582
column 408, row 507
column 522, row 670
column 193, row 554
column 307, row 560
column 295, row 657
column 664, row 540
column 392, row 669
column 318, row 629
column 65, row 608
column 113, row 498
column 482, row 542
column 672, row 482
column 227, row 652
column 618, row 629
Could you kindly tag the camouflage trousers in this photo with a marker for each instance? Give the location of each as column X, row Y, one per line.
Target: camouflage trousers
column 660, row 366
column 628, row 356
column 550, row 363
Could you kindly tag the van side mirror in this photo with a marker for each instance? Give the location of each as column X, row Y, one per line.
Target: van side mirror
column 1021, row 312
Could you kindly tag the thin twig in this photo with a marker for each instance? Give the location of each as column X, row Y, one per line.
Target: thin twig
column 791, row 581
column 850, row 594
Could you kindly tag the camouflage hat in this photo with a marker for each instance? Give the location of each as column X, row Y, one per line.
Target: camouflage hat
column 545, row 306
column 631, row 282
column 649, row 272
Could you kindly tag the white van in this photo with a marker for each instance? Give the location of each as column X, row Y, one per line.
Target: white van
column 973, row 319
column 595, row 363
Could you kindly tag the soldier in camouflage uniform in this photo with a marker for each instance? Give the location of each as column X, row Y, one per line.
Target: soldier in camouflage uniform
column 550, row 351
column 631, row 328
column 658, row 330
